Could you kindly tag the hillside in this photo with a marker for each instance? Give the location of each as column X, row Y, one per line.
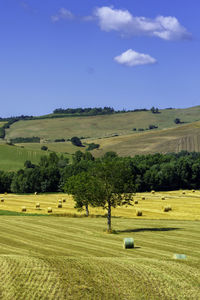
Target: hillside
column 100, row 126
column 183, row 137
column 113, row 133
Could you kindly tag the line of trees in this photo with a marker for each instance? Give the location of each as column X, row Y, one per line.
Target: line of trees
column 107, row 181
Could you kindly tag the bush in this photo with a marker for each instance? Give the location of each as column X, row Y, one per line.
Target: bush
column 76, row 141
column 44, row 148
column 59, row 140
column 93, row 146
column 177, row 121
column 152, row 127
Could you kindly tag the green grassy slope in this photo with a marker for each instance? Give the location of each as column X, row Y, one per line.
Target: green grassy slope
column 13, row 158
column 72, row 258
column 100, row 126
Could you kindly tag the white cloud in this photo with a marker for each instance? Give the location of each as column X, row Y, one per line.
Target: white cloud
column 132, row 58
column 167, row 28
column 63, row 14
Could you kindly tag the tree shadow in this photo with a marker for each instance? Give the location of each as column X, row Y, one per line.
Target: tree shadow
column 148, row 229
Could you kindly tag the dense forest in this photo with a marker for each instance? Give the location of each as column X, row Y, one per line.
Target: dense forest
column 139, row 174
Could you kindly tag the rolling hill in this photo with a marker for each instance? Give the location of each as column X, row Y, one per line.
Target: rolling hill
column 113, row 132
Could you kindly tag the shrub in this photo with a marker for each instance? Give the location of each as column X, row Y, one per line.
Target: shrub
column 152, row 127
column 44, row 148
column 93, row 146
column 177, row 121
column 76, row 141
column 59, row 140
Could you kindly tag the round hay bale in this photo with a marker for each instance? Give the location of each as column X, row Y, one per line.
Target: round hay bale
column 153, row 192
column 169, row 207
column 128, row 243
column 64, row 200
column 183, row 193
column 138, row 213
column 49, row 210
column 37, row 205
column 193, row 191
column 166, row 209
column 23, row 208
column 5, row 193
column 35, row 193
column 60, row 201
column 163, row 198
column 143, row 198
column 2, row 200
column 59, row 205
column 136, row 202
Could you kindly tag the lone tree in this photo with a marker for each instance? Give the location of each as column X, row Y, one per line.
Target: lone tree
column 103, row 185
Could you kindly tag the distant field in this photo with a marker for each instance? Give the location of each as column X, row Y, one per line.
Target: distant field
column 100, row 126
column 72, row 258
column 12, row 158
column 183, row 137
column 184, row 206
column 65, row 147
column 2, row 123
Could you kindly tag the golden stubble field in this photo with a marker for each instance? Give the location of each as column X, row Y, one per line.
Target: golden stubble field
column 185, row 205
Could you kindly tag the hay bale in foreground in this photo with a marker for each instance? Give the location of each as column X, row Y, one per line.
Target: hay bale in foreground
column 179, row 256
column 138, row 213
column 49, row 210
column 163, row 198
column 2, row 200
column 23, row 208
column 59, row 205
column 128, row 243
column 37, row 205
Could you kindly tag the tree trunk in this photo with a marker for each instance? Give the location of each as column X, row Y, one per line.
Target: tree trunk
column 87, row 210
column 109, row 216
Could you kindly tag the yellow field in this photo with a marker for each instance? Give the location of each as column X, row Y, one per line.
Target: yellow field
column 185, row 205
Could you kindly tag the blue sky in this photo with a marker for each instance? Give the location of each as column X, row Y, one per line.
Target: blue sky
column 86, row 53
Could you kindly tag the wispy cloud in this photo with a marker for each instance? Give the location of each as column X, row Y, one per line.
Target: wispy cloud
column 63, row 14
column 132, row 58
column 122, row 21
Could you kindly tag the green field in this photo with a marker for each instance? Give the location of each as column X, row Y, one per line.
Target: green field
column 13, row 158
